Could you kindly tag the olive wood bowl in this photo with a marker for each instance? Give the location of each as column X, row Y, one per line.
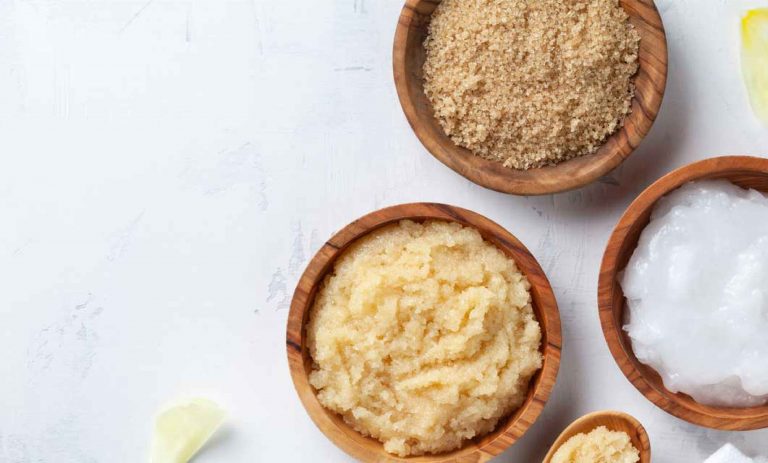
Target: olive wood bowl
column 745, row 171
column 510, row 428
column 614, row 421
column 650, row 82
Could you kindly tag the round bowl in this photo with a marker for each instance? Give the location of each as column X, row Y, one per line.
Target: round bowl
column 745, row 171
column 650, row 82
column 614, row 421
column 544, row 305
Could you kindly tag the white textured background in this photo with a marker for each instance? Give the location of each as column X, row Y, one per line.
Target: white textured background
column 168, row 167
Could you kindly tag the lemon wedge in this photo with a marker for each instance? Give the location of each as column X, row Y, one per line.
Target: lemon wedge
column 754, row 59
column 181, row 430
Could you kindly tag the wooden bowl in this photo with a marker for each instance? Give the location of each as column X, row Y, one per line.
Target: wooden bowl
column 544, row 305
column 614, row 421
column 650, row 81
column 747, row 172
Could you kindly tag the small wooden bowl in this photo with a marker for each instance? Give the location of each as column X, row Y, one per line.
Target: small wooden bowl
column 544, row 305
column 745, row 171
column 650, row 82
column 614, row 421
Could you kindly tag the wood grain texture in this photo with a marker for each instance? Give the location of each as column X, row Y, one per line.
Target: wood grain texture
column 747, row 172
column 544, row 306
column 614, row 421
column 650, row 82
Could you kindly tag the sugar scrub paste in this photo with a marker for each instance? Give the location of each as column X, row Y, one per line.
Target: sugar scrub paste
column 697, row 292
column 600, row 445
column 423, row 336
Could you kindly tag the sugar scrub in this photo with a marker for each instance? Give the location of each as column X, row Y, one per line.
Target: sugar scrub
column 697, row 292
column 423, row 337
column 530, row 83
column 600, row 445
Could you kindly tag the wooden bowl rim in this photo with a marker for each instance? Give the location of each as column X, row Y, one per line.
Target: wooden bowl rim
column 549, row 179
column 677, row 404
column 545, row 306
column 640, row 432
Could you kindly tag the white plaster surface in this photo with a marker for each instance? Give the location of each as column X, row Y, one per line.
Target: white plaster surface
column 167, row 168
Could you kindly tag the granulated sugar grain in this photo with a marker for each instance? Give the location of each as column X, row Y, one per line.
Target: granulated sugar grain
column 530, row 82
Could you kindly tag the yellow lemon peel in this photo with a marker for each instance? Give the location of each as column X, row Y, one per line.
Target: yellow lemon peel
column 181, row 430
column 754, row 59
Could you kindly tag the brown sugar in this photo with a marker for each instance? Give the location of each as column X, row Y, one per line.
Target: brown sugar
column 530, row 82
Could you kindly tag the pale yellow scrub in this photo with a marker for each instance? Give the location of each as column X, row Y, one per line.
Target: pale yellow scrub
column 598, row 446
column 423, row 337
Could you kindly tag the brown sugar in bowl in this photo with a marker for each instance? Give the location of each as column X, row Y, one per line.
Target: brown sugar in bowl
column 509, row 429
column 744, row 171
column 650, row 82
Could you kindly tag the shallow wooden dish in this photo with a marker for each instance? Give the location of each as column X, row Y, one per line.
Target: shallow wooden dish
column 748, row 172
column 650, row 81
column 614, row 421
column 544, row 305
